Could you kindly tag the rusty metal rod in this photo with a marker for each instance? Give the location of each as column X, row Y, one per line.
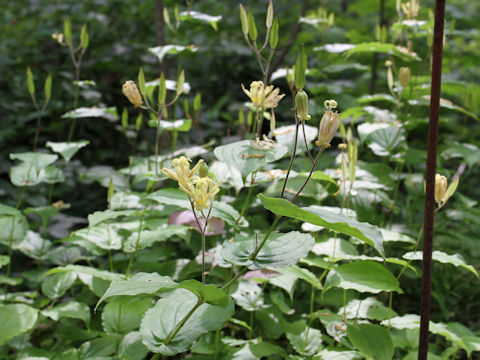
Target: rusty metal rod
column 429, row 216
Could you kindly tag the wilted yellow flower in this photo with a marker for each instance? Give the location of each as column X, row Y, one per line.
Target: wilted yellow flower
column 404, row 75
column 328, row 125
column 263, row 96
column 411, row 9
column 130, row 90
column 182, row 172
column 440, row 188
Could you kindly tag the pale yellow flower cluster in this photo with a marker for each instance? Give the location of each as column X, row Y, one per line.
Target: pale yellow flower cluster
column 200, row 189
column 262, row 96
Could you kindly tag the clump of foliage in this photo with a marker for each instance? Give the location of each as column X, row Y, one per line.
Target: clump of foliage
column 296, row 237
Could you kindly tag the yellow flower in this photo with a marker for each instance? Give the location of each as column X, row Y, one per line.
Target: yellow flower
column 130, row 90
column 440, row 188
column 328, row 125
column 411, row 9
column 201, row 190
column 182, row 172
column 263, row 96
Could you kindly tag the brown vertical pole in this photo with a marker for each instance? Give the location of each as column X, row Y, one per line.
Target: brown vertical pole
column 430, row 178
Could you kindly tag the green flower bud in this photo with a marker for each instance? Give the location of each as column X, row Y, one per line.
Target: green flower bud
column 203, row 170
column 301, row 103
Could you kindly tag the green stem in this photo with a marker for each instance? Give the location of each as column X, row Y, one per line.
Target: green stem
column 292, row 158
column 245, row 203
column 306, row 143
column 157, row 138
column 130, row 263
column 217, row 343
column 181, row 323
column 259, row 121
column 37, row 132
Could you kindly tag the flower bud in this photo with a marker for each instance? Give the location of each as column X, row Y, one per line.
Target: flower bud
column 404, row 76
column 328, row 125
column 130, row 90
column 301, row 104
column 440, row 188
column 342, row 146
column 203, row 170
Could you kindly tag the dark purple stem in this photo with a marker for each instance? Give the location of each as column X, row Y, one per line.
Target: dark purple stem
column 430, row 178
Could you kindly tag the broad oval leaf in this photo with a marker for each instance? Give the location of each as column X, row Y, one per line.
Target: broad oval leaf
column 246, row 159
column 67, row 149
column 161, row 51
column 363, row 276
column 280, row 250
column 210, row 294
column 440, row 256
column 336, row 222
column 141, row 283
column 372, row 340
column 109, row 113
column 159, row 322
column 16, row 319
column 124, row 314
column 72, row 309
column 104, row 236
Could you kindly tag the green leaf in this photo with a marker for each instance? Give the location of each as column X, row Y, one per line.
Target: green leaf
column 161, row 51
column 131, row 347
column 37, row 161
column 85, row 270
column 252, row 28
column 338, row 355
column 178, row 198
column 262, row 350
column 141, row 283
column 201, row 17
column 389, row 49
column 386, row 141
column 159, row 322
column 12, row 229
column 183, row 125
column 371, row 340
column 363, row 276
column 16, row 319
column 336, row 222
column 239, row 154
column 109, row 113
column 210, row 294
column 455, row 259
column 149, row 237
column 369, row 308
column 56, row 285
column 248, row 295
column 72, row 309
column 122, row 315
column 280, row 250
column 104, row 236
column 304, row 339
column 4, row 260
column 67, row 149
column 100, row 216
column 412, row 321
column 299, row 273
column 98, row 349
column 24, row 174
column 48, row 88
column 30, row 82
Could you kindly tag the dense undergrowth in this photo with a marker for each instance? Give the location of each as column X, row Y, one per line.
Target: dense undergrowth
column 256, row 192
